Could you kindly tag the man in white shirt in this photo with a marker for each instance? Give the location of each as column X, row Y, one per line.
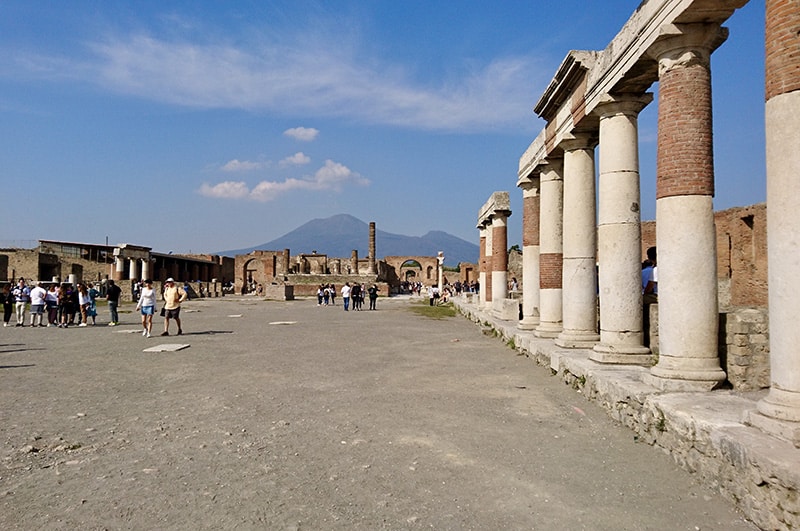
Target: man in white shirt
column 346, row 295
column 38, row 295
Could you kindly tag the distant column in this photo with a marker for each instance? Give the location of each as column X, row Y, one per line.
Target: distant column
column 482, row 266
column 530, row 254
column 550, row 250
column 133, row 269
column 371, row 262
column 779, row 411
column 499, row 259
column 688, row 317
column 287, row 267
column 579, row 276
column 119, row 268
column 487, row 266
column 146, row 269
column 354, row 262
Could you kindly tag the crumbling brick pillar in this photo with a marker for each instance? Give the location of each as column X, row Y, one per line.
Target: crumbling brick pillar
column 371, row 257
column 530, row 253
column 779, row 411
column 482, row 265
column 354, row 262
column 550, row 250
column 688, row 317
column 579, row 273
column 499, row 257
column 619, row 233
column 287, row 268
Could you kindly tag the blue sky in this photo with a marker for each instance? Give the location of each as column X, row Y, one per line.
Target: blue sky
column 204, row 126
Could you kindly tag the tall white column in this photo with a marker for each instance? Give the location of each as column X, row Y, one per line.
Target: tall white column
column 482, row 267
column 619, row 233
column 530, row 254
column 550, row 250
column 579, row 276
column 146, row 269
column 133, row 270
column 486, row 301
column 779, row 412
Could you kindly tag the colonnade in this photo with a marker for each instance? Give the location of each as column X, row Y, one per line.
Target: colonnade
column 572, row 255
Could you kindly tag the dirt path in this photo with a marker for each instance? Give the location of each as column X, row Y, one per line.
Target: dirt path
column 322, row 420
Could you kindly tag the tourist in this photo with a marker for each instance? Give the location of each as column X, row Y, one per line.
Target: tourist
column 173, row 297
column 326, row 294
column 64, row 304
column 51, row 305
column 83, row 304
column 319, row 295
column 373, row 296
column 22, row 295
column 92, row 311
column 8, row 303
column 147, row 305
column 333, row 295
column 346, row 295
column 649, row 291
column 355, row 295
column 112, row 296
column 37, row 295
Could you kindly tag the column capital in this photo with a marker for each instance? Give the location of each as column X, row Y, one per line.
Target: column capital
column 579, row 140
column 682, row 45
column 624, row 104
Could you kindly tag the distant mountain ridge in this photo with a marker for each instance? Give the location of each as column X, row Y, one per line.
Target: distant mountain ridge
column 337, row 237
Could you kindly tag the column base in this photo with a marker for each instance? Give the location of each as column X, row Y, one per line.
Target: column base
column 782, row 429
column 622, row 355
column 548, row 330
column 528, row 323
column 577, row 339
column 684, row 381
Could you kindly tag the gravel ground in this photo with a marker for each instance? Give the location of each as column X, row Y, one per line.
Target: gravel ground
column 286, row 415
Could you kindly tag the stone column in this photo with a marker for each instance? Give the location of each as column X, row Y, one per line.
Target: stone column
column 119, row 268
column 619, row 233
column 530, row 254
column 371, row 263
column 688, row 318
column 146, row 270
column 287, row 268
column 579, row 275
column 482, row 266
column 354, row 262
column 133, row 268
column 779, row 412
column 550, row 250
column 499, row 259
column 487, row 266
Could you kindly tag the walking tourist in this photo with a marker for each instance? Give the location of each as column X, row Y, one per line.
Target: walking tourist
column 51, row 304
column 147, row 305
column 173, row 297
column 373, row 296
column 112, row 296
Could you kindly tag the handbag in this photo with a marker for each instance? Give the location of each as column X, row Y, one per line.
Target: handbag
column 163, row 311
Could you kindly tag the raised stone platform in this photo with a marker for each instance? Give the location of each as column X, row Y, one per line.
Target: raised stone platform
column 703, row 431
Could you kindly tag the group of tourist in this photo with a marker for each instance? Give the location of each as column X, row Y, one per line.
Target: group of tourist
column 61, row 304
column 64, row 304
column 356, row 294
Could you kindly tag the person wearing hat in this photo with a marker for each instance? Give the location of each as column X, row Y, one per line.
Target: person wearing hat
column 173, row 297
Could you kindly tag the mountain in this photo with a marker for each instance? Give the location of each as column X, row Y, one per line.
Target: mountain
column 338, row 235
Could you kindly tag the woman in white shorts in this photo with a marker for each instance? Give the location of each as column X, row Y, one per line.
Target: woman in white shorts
column 147, row 305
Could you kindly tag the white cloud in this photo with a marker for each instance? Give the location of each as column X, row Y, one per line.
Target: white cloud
column 225, row 190
column 304, row 134
column 308, row 77
column 331, row 176
column 242, row 165
column 298, row 159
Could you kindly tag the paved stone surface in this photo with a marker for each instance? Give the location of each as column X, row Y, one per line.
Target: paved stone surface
column 343, row 420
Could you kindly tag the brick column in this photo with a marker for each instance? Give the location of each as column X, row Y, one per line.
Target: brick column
column 550, row 250
column 688, row 318
column 354, row 262
column 579, row 275
column 779, row 412
column 482, row 266
column 530, row 253
column 499, row 259
column 619, row 233
column 371, row 256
